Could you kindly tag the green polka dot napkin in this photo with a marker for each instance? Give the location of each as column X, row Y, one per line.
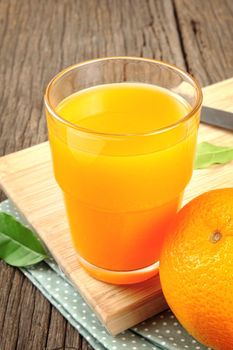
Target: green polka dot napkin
column 160, row 332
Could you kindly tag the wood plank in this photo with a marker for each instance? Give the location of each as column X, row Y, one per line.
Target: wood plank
column 206, row 33
column 57, row 331
column 28, row 180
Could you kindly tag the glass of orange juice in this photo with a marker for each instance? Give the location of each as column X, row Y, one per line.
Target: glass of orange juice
column 122, row 132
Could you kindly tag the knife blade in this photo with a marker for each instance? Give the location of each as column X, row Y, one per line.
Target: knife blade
column 217, row 117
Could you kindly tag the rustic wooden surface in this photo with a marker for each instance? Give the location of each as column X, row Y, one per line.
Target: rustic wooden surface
column 39, row 38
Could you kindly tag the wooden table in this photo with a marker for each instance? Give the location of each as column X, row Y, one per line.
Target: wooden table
column 37, row 40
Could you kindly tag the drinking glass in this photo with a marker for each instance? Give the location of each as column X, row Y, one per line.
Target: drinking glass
column 122, row 189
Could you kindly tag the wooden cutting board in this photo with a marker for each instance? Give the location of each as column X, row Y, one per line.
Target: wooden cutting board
column 26, row 178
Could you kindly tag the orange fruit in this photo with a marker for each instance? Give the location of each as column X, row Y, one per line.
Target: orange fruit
column 196, row 268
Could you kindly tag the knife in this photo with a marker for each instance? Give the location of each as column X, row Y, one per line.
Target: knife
column 217, row 117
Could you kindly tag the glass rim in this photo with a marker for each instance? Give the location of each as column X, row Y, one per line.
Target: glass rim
column 194, row 110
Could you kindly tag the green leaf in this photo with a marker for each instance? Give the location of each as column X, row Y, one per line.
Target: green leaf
column 208, row 154
column 18, row 245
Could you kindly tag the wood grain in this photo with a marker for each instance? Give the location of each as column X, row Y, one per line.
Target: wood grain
column 38, row 38
column 206, row 32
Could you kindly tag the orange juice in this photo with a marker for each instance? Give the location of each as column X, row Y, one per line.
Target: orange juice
column 123, row 183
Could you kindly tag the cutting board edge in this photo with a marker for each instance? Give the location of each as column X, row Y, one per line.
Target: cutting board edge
column 114, row 329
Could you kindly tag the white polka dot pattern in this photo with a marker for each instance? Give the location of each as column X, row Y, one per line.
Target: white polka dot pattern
column 160, row 332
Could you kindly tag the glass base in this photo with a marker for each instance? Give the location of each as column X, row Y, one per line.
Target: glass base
column 120, row 277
